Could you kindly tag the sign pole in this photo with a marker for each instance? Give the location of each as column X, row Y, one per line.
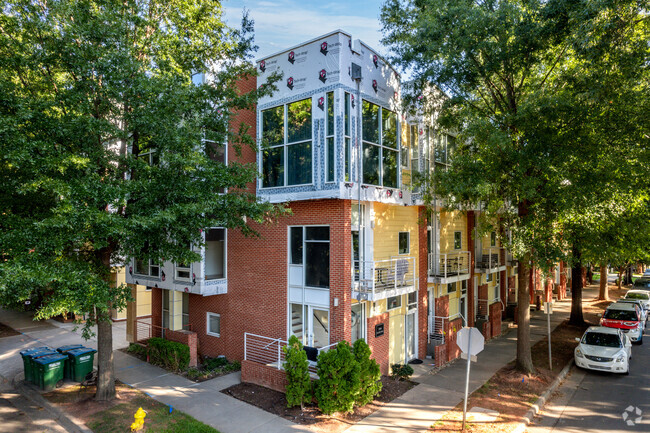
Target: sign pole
column 469, row 345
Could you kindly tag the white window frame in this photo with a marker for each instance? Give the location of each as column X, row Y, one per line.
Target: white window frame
column 207, row 324
column 225, row 254
column 177, row 268
column 382, row 147
column 408, row 243
column 394, row 308
column 329, row 135
column 150, row 264
column 488, row 277
column 460, row 247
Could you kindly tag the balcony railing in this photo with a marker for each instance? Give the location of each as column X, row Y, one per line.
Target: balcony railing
column 437, row 330
column 269, row 351
column 489, row 259
column 379, row 279
column 448, row 264
column 510, row 259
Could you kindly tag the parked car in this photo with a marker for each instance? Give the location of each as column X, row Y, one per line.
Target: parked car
column 642, row 283
column 639, row 303
column 625, row 317
column 646, row 273
column 640, row 295
column 605, row 349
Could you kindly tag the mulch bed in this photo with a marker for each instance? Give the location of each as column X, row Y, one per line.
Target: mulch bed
column 6, row 331
column 275, row 403
column 511, row 393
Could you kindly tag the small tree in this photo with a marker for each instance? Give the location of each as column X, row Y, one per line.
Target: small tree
column 298, row 390
column 337, row 388
column 369, row 373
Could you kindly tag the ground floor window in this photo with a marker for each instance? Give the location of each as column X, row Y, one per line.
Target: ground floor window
column 358, row 322
column 393, row 302
column 310, row 324
column 213, row 324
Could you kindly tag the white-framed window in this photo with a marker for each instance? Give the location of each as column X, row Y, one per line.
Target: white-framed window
column 183, row 271
column 287, row 145
column 451, row 287
column 403, row 243
column 493, row 239
column 213, row 324
column 148, row 268
column 394, row 302
column 347, row 134
column 497, row 287
column 412, row 300
column 380, row 146
column 358, row 322
column 458, row 240
column 215, row 253
column 329, row 137
column 185, row 311
column 149, row 156
column 309, row 246
column 415, row 148
column 488, row 278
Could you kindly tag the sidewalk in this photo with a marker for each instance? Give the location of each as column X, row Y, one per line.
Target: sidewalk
column 203, row 400
column 440, row 391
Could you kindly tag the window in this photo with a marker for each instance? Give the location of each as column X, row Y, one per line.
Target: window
column 412, row 300
column 497, row 287
column 215, row 254
column 329, row 136
column 493, row 239
column 403, row 242
column 213, row 325
column 415, row 157
column 458, row 240
column 147, row 268
column 183, row 272
column 287, row 143
column 358, row 321
column 463, row 287
column 488, row 278
column 451, row 288
column 149, row 156
column 444, row 147
column 404, row 153
column 165, row 308
column 393, row 302
column 310, row 246
column 348, row 136
column 380, row 151
column 186, row 311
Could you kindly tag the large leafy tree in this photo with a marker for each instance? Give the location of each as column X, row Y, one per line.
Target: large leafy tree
column 526, row 111
column 108, row 147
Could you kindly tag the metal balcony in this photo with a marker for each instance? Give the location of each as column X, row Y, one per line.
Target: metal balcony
column 449, row 267
column 489, row 261
column 381, row 279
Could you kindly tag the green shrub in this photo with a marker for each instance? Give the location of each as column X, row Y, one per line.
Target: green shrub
column 137, row 349
column 233, row 366
column 298, row 389
column 168, row 354
column 338, row 385
column 214, row 363
column 369, row 373
column 401, row 371
column 194, row 373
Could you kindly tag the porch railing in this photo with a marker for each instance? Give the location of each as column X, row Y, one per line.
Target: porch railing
column 489, row 258
column 269, row 351
column 448, row 264
column 437, row 329
column 145, row 330
column 380, row 275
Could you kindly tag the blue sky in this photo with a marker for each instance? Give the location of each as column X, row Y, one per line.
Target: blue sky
column 284, row 23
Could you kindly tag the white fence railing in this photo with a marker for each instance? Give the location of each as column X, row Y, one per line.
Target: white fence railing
column 381, row 275
column 489, row 258
column 437, row 329
column 448, row 264
column 269, row 351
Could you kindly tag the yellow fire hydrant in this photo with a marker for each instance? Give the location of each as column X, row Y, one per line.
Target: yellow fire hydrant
column 139, row 420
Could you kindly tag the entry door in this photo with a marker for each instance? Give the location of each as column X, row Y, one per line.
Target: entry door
column 318, row 327
column 410, row 336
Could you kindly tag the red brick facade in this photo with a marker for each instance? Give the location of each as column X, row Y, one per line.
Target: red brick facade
column 379, row 345
column 263, row 375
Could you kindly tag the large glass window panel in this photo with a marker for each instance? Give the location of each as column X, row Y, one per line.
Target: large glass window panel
column 370, row 122
column 273, row 126
column 299, row 121
column 317, row 266
column 389, row 128
column 348, row 163
column 370, row 164
column 186, row 310
column 320, row 327
column 389, row 168
column 403, row 243
column 273, row 167
column 299, row 163
column 296, row 245
column 451, row 146
column 215, row 266
column 330, row 159
column 297, row 321
column 320, row 233
column 346, row 120
column 355, row 254
column 404, row 156
column 357, row 322
column 330, row 113
column 214, row 324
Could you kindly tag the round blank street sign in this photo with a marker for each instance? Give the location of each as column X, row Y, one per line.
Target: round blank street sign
column 475, row 345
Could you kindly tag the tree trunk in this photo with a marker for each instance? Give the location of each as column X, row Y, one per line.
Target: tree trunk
column 603, row 294
column 620, row 277
column 576, row 317
column 105, row 373
column 524, row 357
column 590, row 275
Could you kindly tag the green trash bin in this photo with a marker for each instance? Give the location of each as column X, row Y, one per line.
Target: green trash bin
column 64, row 349
column 48, row 371
column 36, row 355
column 80, row 363
column 27, row 361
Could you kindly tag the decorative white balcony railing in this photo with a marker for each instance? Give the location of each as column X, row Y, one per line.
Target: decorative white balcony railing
column 489, row 259
column 379, row 279
column 437, row 332
column 448, row 264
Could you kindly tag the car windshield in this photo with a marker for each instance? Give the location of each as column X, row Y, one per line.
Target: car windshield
column 620, row 315
column 643, row 296
column 600, row 339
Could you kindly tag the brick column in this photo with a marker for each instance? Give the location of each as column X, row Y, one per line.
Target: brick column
column 341, row 274
column 379, row 345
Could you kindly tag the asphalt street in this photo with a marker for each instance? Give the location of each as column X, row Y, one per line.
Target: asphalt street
column 593, row 401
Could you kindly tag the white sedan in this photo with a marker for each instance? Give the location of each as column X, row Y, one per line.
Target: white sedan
column 604, row 349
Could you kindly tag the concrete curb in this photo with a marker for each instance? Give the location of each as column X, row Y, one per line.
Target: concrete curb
column 539, row 404
column 67, row 421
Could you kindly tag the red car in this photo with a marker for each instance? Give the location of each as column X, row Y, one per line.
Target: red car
column 627, row 318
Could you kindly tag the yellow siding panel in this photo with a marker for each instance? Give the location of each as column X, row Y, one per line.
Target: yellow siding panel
column 389, row 221
column 451, row 222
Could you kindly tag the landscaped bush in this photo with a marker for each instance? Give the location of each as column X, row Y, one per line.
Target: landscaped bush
column 338, row 385
column 137, row 349
column 298, row 389
column 168, row 354
column 369, row 373
column 214, row 363
column 401, row 371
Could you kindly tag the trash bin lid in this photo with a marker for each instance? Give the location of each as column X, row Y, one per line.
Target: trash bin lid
column 81, row 351
column 40, row 353
column 50, row 359
column 33, row 349
column 68, row 347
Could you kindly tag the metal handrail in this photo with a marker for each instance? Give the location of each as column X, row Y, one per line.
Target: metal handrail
column 489, row 263
column 449, row 264
column 382, row 275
